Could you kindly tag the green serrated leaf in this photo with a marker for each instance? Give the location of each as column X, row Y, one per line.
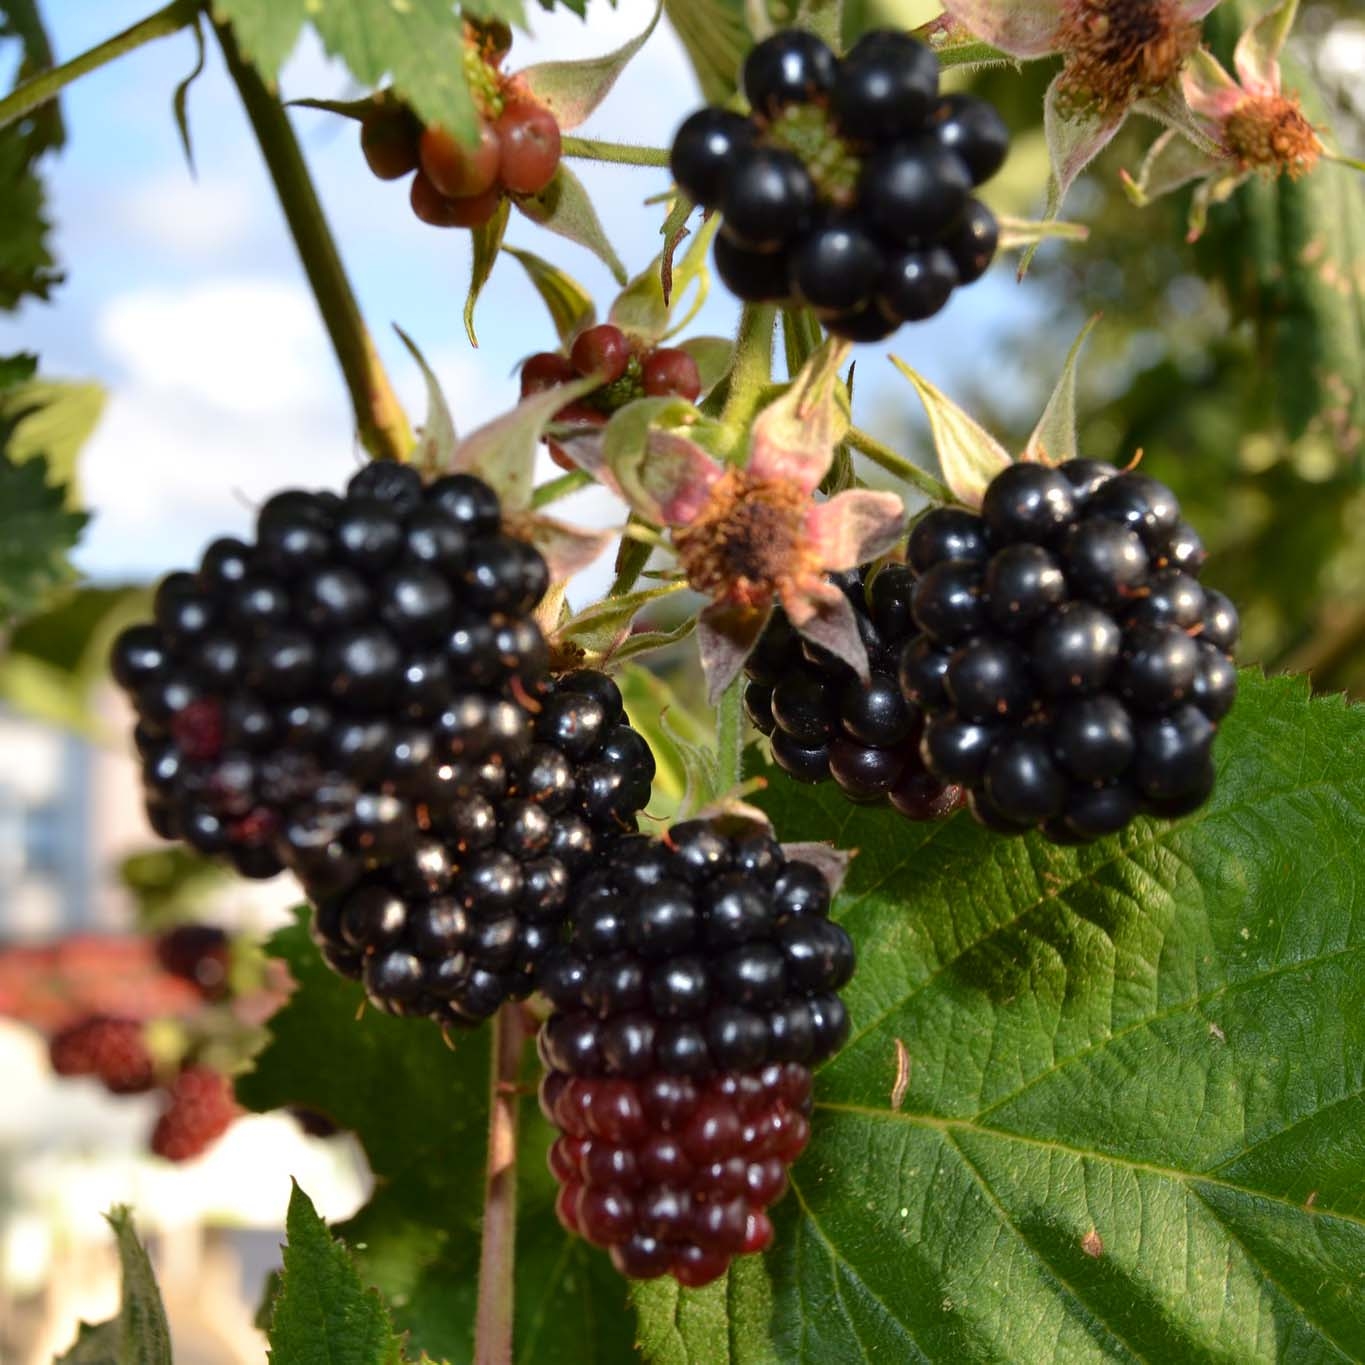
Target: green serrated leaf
column 139, row 1335
column 487, row 243
column 572, row 90
column 571, row 308
column 26, row 264
column 323, row 1314
column 564, row 208
column 1129, row 1128
column 36, row 532
column 420, row 1110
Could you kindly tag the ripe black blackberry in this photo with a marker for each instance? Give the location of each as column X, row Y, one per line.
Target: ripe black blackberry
column 1073, row 667
column 849, row 187
column 697, row 989
column 696, row 954
column 299, row 695
column 826, row 725
column 461, row 923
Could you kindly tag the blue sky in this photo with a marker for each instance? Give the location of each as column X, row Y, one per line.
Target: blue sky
column 185, row 299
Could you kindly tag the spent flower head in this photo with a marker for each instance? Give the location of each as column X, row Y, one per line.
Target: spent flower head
column 1117, row 56
column 754, row 536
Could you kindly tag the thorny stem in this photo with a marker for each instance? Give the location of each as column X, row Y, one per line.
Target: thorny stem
column 48, row 84
column 898, row 465
column 380, row 422
column 497, row 1257
column 620, row 153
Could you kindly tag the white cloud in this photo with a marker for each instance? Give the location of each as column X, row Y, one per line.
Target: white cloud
column 195, row 220
column 253, row 346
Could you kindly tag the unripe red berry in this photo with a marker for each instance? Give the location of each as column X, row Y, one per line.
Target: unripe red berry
column 429, row 204
column 476, row 210
column 671, row 372
column 545, row 370
column 601, row 350
column 457, row 170
column 389, row 141
column 530, row 147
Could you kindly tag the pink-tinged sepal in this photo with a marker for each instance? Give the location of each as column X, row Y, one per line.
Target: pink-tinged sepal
column 726, row 634
column 665, row 477
column 825, row 617
column 1257, row 56
column 567, row 549
column 855, row 527
column 793, row 439
column 968, row 455
column 1209, row 91
column 1075, row 137
column 1023, row 28
column 1195, row 11
column 1172, row 162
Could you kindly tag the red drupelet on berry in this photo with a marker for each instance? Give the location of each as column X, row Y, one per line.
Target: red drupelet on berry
column 300, row 696
column 1073, row 667
column 697, row 988
column 848, row 188
column 462, row 924
column 113, row 1051
column 200, row 1109
column 825, row 724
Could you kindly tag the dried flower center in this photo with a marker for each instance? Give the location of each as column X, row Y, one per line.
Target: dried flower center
column 1270, row 132
column 1117, row 51
column 748, row 541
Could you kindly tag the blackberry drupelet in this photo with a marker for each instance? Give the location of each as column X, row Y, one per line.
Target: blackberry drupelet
column 826, row 725
column 461, row 923
column 849, row 187
column 1073, row 667
column 301, row 696
column 112, row 1050
column 697, row 989
column 200, row 1108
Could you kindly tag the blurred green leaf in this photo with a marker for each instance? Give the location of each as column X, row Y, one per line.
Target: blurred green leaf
column 1131, row 1127
column 420, row 1109
column 139, row 1335
column 716, row 38
column 53, row 418
column 36, row 532
column 571, row 307
column 322, row 1313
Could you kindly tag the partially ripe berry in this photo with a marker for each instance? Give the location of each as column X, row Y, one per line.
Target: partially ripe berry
column 602, row 350
column 546, row 370
column 671, row 372
column 459, row 171
column 429, row 204
column 530, row 141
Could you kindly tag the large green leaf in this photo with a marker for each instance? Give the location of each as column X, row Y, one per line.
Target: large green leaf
column 36, row 531
column 1136, row 1085
column 420, row 1108
column 322, row 1314
column 417, row 45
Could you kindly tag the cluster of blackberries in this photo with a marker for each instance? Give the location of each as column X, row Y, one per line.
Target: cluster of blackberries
column 363, row 696
column 698, row 986
column 825, row 723
column 628, row 370
column 1073, row 667
column 517, row 151
column 849, row 187
column 298, row 697
column 463, row 922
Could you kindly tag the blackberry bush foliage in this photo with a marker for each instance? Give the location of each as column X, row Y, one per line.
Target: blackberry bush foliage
column 849, row 186
column 525, row 810
column 1073, row 667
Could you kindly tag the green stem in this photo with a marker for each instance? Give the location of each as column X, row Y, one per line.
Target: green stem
column 752, row 372
column 560, row 488
column 631, row 559
column 898, row 465
column 497, row 1254
column 619, row 153
column 730, row 737
column 46, row 85
column 380, row 422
